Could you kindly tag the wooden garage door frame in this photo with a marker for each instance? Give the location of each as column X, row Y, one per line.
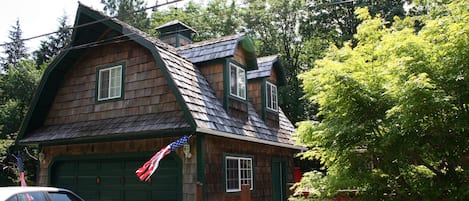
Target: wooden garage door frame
column 143, row 156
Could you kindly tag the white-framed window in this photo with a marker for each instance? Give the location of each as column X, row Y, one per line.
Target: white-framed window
column 238, row 171
column 237, row 81
column 110, row 83
column 271, row 97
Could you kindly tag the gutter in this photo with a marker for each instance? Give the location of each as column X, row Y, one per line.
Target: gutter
column 249, row 139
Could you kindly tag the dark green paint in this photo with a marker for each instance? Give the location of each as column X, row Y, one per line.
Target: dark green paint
column 279, row 177
column 117, row 177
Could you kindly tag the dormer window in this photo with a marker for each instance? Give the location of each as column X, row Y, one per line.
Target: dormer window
column 109, row 83
column 237, row 81
column 271, row 97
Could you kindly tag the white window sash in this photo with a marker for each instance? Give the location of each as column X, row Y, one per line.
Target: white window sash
column 114, row 83
column 239, row 90
column 271, row 97
column 240, row 173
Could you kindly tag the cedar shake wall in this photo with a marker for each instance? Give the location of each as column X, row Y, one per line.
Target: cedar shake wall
column 214, row 74
column 255, row 94
column 240, row 55
column 217, row 147
column 189, row 166
column 146, row 90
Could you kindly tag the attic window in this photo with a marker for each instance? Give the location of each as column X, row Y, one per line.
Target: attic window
column 237, row 81
column 109, row 83
column 271, row 97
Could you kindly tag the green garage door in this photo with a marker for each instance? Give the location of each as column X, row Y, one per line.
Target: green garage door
column 113, row 179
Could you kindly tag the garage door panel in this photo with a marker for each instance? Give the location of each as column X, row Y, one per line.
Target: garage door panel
column 114, row 179
column 136, row 195
column 110, row 195
column 88, row 194
column 164, row 195
column 86, row 180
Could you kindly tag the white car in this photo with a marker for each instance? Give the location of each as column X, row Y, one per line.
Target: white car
column 17, row 193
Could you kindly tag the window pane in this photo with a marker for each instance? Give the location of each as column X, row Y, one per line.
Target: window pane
column 233, row 79
column 115, row 83
column 103, row 84
column 274, row 98
column 269, row 96
column 232, row 182
column 241, row 83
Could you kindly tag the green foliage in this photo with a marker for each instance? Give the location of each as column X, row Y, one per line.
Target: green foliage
column 394, row 109
column 336, row 20
column 51, row 47
column 16, row 89
column 126, row 10
column 15, row 50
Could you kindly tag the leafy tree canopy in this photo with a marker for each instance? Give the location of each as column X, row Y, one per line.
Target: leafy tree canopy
column 126, row 10
column 394, row 109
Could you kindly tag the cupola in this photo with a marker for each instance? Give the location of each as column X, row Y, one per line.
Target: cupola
column 176, row 33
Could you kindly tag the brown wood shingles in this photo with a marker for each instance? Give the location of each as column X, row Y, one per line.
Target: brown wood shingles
column 148, row 104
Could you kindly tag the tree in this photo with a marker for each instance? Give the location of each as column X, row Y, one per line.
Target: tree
column 51, row 47
column 394, row 109
column 129, row 11
column 15, row 50
column 336, row 19
column 16, row 89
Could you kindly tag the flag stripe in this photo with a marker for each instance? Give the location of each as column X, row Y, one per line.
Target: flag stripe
column 144, row 173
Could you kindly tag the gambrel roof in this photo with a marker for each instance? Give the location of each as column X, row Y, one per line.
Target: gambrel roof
column 202, row 111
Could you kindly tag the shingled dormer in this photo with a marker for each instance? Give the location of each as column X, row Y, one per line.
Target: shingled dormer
column 225, row 62
column 263, row 88
column 176, row 33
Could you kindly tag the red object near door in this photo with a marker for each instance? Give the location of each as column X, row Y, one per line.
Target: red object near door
column 297, row 174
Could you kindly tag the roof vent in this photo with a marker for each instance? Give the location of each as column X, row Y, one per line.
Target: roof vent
column 176, row 33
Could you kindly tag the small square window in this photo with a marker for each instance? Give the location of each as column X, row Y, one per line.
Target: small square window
column 110, row 83
column 271, row 96
column 237, row 81
column 238, row 172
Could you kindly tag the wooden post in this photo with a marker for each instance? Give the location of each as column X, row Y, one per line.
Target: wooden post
column 245, row 192
column 199, row 191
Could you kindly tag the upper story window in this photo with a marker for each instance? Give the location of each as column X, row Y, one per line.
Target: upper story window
column 237, row 81
column 271, row 96
column 238, row 171
column 110, row 83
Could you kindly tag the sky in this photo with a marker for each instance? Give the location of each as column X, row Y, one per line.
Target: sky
column 38, row 17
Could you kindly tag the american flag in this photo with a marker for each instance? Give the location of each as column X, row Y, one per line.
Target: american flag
column 19, row 160
column 144, row 173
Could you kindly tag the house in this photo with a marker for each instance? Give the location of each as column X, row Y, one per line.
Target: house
column 106, row 104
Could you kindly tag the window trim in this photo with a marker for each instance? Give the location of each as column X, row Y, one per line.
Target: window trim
column 239, row 159
column 108, row 68
column 272, row 86
column 238, row 68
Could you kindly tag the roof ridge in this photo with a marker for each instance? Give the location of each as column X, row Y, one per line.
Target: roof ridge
column 212, row 41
